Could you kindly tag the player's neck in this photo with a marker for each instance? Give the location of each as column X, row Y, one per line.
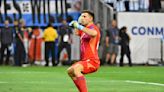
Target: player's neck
column 89, row 24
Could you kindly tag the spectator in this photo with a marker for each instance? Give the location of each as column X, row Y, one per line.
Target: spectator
column 126, row 5
column 34, row 44
column 19, row 40
column 144, row 5
column 124, row 42
column 49, row 36
column 105, row 54
column 25, row 39
column 65, row 40
column 120, row 6
column 6, row 36
column 112, row 41
column 98, row 24
column 155, row 5
column 134, row 5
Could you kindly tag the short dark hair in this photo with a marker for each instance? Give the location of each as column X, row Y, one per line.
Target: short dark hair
column 89, row 12
column 123, row 28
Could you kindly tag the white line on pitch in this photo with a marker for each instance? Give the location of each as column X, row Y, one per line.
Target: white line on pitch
column 130, row 81
column 141, row 82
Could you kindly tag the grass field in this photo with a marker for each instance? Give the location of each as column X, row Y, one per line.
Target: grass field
column 107, row 79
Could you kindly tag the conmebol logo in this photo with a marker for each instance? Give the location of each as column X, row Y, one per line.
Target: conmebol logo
column 147, row 31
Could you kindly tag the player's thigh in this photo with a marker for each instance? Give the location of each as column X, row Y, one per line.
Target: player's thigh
column 78, row 67
column 75, row 67
column 89, row 66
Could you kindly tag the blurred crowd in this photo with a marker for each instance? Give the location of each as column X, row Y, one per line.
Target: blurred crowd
column 135, row 5
column 21, row 45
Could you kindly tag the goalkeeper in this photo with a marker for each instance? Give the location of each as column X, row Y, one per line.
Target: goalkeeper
column 89, row 41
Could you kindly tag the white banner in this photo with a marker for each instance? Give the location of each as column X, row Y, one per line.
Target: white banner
column 146, row 31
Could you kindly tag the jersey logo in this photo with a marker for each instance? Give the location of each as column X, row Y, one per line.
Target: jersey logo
column 91, row 27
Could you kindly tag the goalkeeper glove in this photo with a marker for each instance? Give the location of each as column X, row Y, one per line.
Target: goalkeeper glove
column 75, row 24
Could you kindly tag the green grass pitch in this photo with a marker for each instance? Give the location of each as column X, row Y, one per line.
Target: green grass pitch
column 106, row 79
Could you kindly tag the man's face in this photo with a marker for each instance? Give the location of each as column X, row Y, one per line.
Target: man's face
column 114, row 23
column 64, row 22
column 22, row 23
column 15, row 23
column 85, row 19
column 6, row 23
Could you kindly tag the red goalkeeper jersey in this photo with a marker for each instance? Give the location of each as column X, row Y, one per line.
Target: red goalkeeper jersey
column 89, row 44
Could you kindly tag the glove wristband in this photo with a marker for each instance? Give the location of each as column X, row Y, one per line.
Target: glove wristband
column 80, row 27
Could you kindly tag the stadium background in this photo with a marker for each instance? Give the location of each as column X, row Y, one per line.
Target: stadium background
column 149, row 26
column 147, row 47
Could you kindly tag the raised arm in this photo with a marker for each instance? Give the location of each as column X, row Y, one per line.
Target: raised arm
column 77, row 26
